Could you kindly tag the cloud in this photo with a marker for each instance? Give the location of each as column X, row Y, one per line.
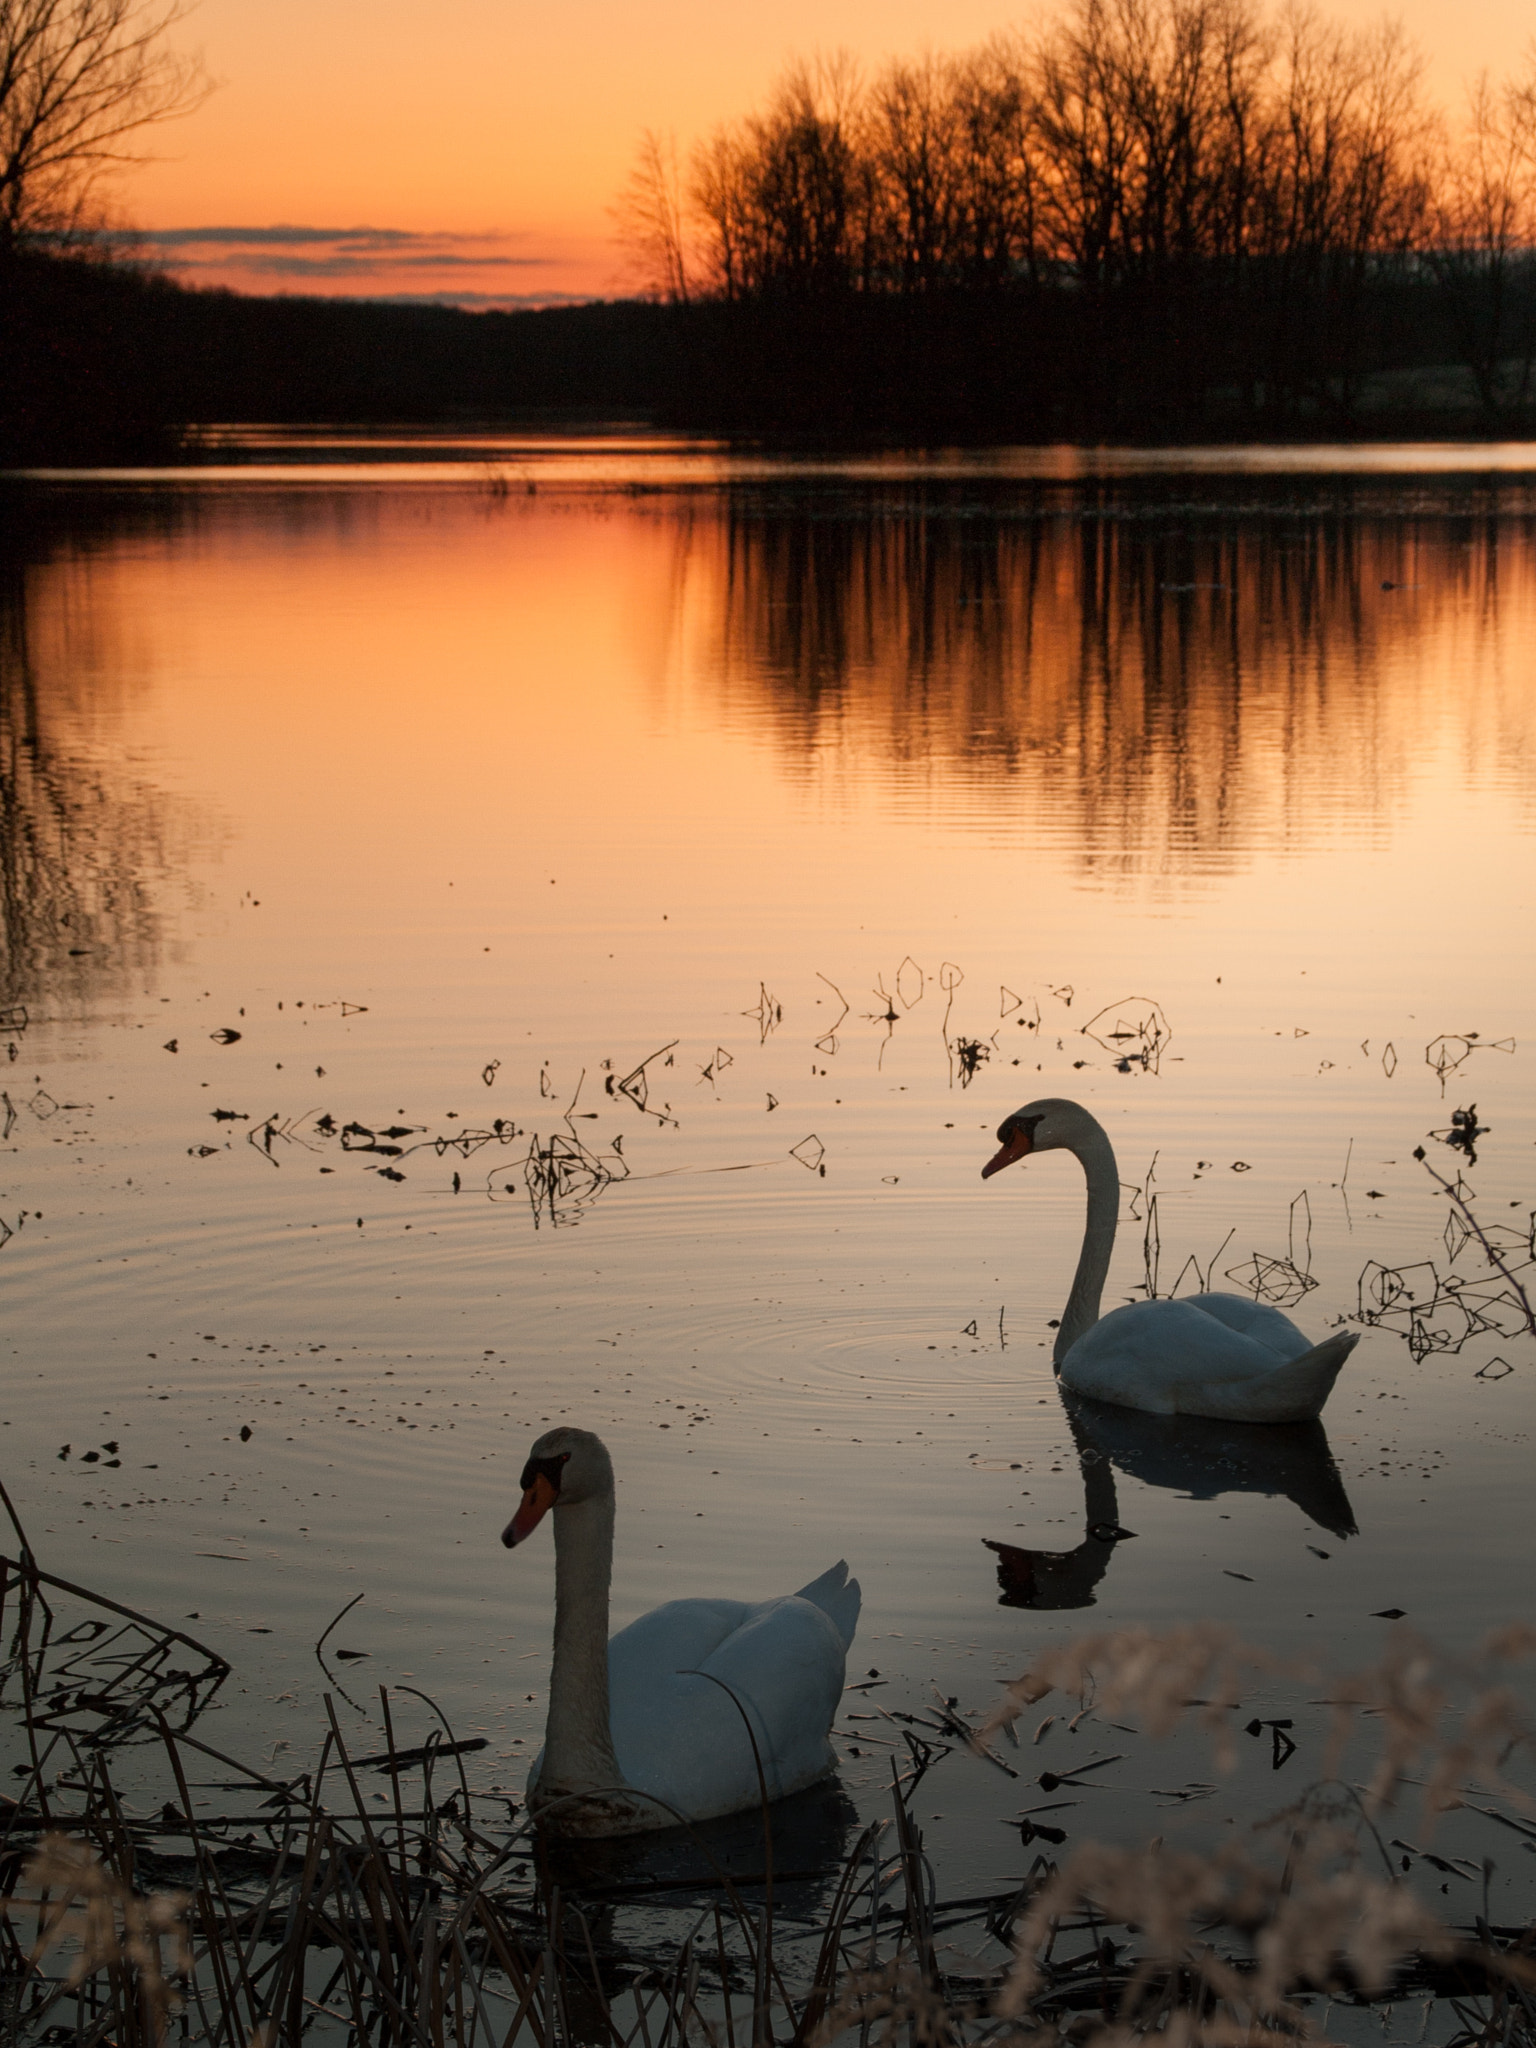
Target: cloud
column 488, row 302
column 361, row 240
column 346, row 264
column 481, row 268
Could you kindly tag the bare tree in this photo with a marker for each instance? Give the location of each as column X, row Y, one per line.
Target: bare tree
column 998, row 176
column 1482, row 234
column 1160, row 200
column 809, row 196
column 79, row 81
column 1084, row 142
column 649, row 219
column 1341, row 198
column 719, row 194
column 779, row 203
column 917, row 162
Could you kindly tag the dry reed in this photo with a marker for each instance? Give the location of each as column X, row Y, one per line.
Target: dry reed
column 309, row 1910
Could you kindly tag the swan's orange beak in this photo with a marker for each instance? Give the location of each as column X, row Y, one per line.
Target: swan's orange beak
column 1011, row 1149
column 538, row 1499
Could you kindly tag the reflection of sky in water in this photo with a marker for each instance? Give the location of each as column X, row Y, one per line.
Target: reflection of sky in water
column 464, row 811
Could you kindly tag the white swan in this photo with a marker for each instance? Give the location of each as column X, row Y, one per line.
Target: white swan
column 649, row 1712
column 1208, row 1354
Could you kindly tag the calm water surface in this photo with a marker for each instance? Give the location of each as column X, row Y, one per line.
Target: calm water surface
column 684, row 882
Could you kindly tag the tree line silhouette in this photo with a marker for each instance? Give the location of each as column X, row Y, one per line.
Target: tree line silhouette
column 102, row 361
column 1142, row 219
column 1146, row 211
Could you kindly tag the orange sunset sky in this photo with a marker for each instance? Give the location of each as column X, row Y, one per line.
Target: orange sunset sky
column 468, row 150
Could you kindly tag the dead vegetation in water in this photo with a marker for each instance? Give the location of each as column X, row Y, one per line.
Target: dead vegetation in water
column 382, row 1900
column 1482, row 1287
column 1437, row 1308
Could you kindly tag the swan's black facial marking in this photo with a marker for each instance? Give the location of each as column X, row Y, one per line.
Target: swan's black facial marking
column 549, row 1469
column 1015, row 1137
column 541, row 1492
column 1014, row 1126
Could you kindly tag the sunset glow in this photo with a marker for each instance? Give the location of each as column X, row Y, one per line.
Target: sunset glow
column 472, row 156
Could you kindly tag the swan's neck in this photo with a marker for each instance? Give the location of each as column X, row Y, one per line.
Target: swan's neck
column 578, row 1741
column 1082, row 1309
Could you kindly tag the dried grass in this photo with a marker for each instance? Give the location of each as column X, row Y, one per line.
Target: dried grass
column 310, row 1912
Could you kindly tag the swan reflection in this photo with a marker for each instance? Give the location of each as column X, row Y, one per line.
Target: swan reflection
column 808, row 1835
column 1186, row 1454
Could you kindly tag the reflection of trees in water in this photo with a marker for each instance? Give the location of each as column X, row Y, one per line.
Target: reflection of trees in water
column 1176, row 683
column 86, row 849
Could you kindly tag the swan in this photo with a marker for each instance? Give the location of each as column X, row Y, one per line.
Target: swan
column 1219, row 1355
column 647, row 1729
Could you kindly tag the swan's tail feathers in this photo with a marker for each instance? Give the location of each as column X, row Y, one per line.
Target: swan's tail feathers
column 838, row 1597
column 1296, row 1391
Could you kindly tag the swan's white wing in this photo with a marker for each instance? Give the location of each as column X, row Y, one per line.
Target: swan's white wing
column 1146, row 1354
column 1255, row 1319
column 787, row 1667
column 677, row 1636
column 643, row 1659
column 837, row 1596
column 1175, row 1358
column 682, row 1738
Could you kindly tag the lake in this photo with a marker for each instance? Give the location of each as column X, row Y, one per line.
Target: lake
column 538, row 930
